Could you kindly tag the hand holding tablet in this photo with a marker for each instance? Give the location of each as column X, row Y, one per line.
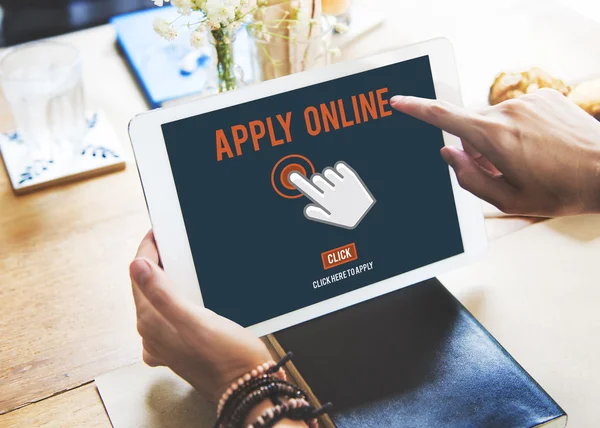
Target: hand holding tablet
column 247, row 226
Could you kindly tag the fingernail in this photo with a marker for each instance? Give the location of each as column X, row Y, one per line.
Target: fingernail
column 141, row 271
column 397, row 99
column 447, row 155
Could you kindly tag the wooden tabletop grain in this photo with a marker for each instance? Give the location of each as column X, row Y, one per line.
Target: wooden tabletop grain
column 66, row 310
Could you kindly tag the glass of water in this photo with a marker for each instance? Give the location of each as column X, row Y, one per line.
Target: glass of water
column 42, row 82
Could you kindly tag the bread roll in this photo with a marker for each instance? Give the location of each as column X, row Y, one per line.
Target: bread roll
column 513, row 85
column 587, row 96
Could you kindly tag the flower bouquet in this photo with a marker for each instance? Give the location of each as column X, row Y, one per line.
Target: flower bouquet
column 290, row 35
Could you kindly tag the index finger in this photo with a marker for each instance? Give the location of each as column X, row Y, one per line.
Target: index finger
column 304, row 185
column 446, row 116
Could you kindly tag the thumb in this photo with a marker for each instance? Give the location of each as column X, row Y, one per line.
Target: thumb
column 152, row 282
column 313, row 212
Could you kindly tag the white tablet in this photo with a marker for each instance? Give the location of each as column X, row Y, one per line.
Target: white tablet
column 284, row 201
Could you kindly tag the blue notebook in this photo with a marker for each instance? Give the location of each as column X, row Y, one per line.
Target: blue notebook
column 169, row 71
column 415, row 358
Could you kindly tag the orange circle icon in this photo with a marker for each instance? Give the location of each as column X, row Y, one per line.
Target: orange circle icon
column 282, row 170
column 285, row 173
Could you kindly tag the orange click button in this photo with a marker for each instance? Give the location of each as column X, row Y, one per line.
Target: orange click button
column 339, row 256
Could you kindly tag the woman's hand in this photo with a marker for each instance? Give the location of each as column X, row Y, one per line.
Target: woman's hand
column 202, row 347
column 535, row 155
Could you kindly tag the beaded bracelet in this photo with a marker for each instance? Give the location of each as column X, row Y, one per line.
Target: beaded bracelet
column 241, row 402
column 243, row 390
column 270, row 367
column 293, row 409
column 246, row 388
column 242, row 393
column 268, row 380
column 250, row 401
column 308, row 414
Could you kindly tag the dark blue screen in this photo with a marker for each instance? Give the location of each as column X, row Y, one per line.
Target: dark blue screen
column 256, row 255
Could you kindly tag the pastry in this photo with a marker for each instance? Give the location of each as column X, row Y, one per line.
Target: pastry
column 513, row 85
column 587, row 96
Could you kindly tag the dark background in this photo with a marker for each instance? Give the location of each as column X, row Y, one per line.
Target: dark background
column 256, row 254
column 26, row 20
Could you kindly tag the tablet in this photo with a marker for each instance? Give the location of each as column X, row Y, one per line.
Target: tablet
column 287, row 200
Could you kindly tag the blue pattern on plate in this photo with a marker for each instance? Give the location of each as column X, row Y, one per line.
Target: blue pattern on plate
column 92, row 121
column 98, row 151
column 34, row 170
column 39, row 166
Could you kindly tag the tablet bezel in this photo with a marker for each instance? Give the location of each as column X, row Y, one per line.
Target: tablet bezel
column 165, row 211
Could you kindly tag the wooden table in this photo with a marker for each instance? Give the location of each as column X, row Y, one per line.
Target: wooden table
column 66, row 310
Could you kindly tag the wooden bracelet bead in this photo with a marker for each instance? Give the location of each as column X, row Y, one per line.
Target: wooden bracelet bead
column 273, row 415
column 247, row 403
column 258, row 371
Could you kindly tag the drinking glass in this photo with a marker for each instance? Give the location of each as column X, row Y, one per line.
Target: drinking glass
column 282, row 48
column 42, row 82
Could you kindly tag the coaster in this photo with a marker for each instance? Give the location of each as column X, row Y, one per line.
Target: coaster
column 100, row 154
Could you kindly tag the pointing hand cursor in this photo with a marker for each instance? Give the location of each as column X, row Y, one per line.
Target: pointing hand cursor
column 339, row 195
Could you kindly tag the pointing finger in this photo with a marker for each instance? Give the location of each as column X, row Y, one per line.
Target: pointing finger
column 448, row 117
column 304, row 185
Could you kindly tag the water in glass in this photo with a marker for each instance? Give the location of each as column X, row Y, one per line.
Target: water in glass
column 42, row 83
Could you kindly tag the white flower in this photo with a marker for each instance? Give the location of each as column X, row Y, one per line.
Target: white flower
column 213, row 25
column 335, row 52
column 164, row 29
column 222, row 12
column 198, row 37
column 235, row 26
column 184, row 7
column 258, row 26
column 261, row 31
column 246, row 6
column 266, row 37
column 341, row 28
column 159, row 3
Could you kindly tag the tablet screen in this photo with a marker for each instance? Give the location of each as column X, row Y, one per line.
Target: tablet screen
column 265, row 239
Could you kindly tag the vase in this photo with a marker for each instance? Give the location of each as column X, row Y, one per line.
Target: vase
column 228, row 74
column 283, row 46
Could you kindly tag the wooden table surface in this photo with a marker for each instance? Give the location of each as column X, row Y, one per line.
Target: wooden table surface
column 66, row 310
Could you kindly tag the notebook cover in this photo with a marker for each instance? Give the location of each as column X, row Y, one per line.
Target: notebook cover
column 415, row 358
column 162, row 67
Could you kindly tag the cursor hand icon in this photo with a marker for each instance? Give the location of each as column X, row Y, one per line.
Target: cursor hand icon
column 339, row 195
